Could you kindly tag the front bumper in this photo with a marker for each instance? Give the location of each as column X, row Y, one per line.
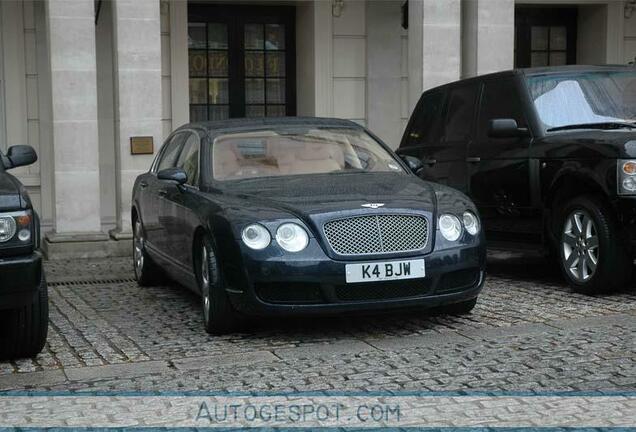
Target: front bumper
column 19, row 279
column 278, row 285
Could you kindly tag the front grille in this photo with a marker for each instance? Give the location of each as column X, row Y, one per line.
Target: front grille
column 383, row 290
column 376, row 234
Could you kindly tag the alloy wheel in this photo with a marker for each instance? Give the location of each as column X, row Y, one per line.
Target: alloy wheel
column 205, row 283
column 138, row 246
column 579, row 245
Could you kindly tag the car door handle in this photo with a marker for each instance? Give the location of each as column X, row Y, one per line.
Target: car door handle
column 430, row 161
column 143, row 185
column 162, row 192
column 473, row 159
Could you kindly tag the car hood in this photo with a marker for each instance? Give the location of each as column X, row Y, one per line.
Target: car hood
column 590, row 143
column 10, row 192
column 305, row 196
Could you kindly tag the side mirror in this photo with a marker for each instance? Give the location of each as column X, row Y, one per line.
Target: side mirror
column 20, row 155
column 505, row 128
column 177, row 175
column 413, row 163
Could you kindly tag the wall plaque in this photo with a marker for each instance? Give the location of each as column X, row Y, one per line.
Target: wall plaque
column 141, row 145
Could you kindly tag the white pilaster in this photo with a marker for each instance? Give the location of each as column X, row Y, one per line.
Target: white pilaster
column 137, row 60
column 434, row 45
column 71, row 38
column 488, row 35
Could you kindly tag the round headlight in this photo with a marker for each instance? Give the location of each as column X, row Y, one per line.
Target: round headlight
column 629, row 184
column 256, row 236
column 292, row 237
column 471, row 223
column 7, row 228
column 450, row 227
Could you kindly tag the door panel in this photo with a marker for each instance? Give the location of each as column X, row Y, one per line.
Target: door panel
column 445, row 161
column 500, row 181
column 157, row 190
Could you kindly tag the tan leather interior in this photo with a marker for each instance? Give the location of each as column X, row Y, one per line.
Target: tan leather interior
column 281, row 156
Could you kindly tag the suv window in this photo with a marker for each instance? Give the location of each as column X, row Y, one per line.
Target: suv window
column 189, row 159
column 426, row 125
column 460, row 113
column 500, row 99
column 169, row 156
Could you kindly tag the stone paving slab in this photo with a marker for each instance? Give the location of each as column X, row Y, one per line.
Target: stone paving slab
column 527, row 333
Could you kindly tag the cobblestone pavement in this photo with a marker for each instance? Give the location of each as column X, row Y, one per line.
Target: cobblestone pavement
column 528, row 332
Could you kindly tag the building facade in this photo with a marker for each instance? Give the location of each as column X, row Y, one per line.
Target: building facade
column 82, row 80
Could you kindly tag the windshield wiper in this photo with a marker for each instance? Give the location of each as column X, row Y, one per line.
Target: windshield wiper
column 603, row 125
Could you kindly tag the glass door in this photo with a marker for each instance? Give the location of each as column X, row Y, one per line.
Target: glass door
column 241, row 61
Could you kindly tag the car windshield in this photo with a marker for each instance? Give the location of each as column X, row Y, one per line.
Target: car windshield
column 592, row 99
column 272, row 153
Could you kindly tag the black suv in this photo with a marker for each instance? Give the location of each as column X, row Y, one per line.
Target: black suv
column 549, row 157
column 24, row 312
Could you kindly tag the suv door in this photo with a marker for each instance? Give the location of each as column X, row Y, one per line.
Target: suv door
column 423, row 136
column 442, row 124
column 499, row 168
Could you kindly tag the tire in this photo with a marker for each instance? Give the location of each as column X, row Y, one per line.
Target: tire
column 593, row 256
column 27, row 327
column 147, row 273
column 219, row 316
column 461, row 308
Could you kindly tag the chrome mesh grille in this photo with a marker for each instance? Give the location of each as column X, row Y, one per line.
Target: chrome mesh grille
column 375, row 234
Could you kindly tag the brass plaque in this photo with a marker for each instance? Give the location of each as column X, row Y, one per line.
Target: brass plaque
column 141, row 145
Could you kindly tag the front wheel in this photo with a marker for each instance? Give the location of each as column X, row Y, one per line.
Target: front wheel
column 219, row 316
column 593, row 255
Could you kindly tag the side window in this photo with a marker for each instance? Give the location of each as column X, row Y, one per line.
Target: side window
column 426, row 125
column 189, row 159
column 170, row 154
column 500, row 99
column 460, row 113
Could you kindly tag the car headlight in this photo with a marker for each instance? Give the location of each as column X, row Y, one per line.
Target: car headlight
column 292, row 237
column 256, row 236
column 471, row 222
column 626, row 177
column 7, row 228
column 18, row 222
column 450, row 227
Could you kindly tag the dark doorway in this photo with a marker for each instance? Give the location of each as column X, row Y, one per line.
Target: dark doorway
column 241, row 61
column 545, row 36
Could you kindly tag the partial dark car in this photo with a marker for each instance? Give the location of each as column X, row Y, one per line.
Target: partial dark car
column 548, row 155
column 303, row 216
column 24, row 313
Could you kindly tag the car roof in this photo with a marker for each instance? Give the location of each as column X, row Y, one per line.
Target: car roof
column 538, row 71
column 219, row 127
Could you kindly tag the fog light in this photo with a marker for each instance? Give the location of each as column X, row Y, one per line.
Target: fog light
column 24, row 235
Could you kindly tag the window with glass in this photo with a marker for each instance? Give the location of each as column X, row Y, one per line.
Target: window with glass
column 241, row 61
column 274, row 153
column 585, row 99
column 545, row 36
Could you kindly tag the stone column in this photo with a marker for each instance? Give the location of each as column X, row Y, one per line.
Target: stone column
column 384, row 74
column 488, row 36
column 137, row 60
column 434, row 49
column 71, row 43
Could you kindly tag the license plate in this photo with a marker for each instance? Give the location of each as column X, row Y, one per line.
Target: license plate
column 383, row 271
